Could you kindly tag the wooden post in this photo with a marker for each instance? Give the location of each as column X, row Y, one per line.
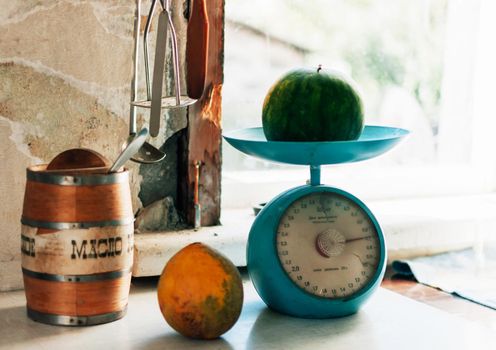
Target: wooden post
column 201, row 141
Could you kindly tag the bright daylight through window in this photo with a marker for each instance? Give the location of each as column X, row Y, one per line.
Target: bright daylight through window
column 420, row 65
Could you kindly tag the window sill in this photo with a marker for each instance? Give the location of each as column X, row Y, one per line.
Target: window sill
column 153, row 250
column 413, row 227
column 368, row 181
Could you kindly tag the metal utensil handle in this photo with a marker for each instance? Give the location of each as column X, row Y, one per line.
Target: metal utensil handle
column 145, row 50
column 158, row 74
column 175, row 54
column 134, row 84
column 130, row 150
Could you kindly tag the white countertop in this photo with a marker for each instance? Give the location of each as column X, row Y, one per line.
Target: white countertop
column 387, row 321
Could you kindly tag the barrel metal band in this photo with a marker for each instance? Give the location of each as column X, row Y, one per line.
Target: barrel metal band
column 65, row 320
column 77, row 278
column 75, row 225
column 77, row 180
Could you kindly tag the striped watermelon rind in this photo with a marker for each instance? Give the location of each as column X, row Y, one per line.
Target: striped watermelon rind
column 312, row 105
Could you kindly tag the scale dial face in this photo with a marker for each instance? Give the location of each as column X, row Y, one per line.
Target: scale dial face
column 328, row 245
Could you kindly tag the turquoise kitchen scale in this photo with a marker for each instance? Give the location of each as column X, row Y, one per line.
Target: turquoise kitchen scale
column 316, row 251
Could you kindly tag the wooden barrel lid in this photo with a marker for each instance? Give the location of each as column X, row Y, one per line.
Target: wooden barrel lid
column 78, row 158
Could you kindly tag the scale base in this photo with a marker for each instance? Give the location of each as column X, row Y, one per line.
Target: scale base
column 270, row 279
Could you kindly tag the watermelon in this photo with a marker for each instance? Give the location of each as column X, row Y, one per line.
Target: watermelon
column 312, row 105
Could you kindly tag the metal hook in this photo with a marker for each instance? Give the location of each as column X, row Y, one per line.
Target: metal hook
column 166, row 4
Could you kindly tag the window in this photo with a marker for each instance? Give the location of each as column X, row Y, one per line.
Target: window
column 421, row 65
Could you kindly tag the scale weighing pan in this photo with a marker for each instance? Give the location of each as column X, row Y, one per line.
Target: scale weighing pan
column 374, row 141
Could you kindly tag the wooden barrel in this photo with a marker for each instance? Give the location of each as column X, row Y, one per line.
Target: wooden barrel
column 77, row 246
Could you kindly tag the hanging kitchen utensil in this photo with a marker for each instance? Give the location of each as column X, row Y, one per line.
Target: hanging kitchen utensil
column 158, row 74
column 197, row 48
column 165, row 25
column 177, row 100
column 147, row 154
column 129, row 150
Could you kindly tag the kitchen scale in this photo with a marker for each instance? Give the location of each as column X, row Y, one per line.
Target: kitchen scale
column 316, row 251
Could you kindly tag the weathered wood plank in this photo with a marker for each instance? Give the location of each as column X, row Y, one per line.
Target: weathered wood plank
column 202, row 139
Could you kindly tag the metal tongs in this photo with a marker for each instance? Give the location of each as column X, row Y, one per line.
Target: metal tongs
column 155, row 102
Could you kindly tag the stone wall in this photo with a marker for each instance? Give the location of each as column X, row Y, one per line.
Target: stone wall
column 65, row 77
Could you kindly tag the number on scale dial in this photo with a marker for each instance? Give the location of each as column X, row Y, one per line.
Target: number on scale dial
column 327, row 245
